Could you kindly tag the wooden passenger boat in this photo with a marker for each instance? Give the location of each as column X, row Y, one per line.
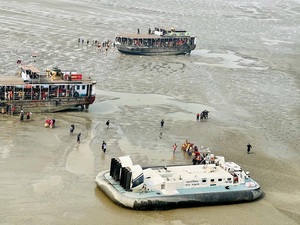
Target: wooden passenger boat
column 50, row 91
column 165, row 187
column 160, row 41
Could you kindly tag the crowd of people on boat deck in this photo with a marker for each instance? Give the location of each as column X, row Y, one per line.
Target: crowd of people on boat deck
column 167, row 42
column 199, row 156
column 39, row 93
column 147, row 42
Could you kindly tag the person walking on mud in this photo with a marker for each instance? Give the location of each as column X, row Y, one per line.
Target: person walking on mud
column 160, row 135
column 28, row 116
column 174, row 148
column 72, row 128
column 248, row 148
column 13, row 109
column 21, row 115
column 104, row 146
column 162, row 122
column 78, row 138
column 107, row 124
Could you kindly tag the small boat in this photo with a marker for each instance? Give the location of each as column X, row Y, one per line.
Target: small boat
column 160, row 41
column 175, row 186
column 50, row 91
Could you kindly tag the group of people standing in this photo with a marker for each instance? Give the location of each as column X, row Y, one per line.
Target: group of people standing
column 105, row 45
column 22, row 115
column 193, row 150
column 202, row 116
column 199, row 156
column 50, row 123
column 8, row 109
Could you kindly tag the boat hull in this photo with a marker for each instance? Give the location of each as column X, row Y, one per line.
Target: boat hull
column 155, row 51
column 178, row 199
column 51, row 105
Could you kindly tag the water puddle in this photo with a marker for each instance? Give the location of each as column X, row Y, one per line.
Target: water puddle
column 226, row 59
column 131, row 99
column 81, row 159
column 43, row 186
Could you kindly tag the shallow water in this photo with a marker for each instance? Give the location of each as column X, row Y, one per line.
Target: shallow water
column 245, row 71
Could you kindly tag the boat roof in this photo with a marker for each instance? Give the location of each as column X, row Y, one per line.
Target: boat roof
column 149, row 36
column 145, row 36
column 209, row 170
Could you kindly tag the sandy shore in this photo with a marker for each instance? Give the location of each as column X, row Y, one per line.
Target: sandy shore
column 47, row 174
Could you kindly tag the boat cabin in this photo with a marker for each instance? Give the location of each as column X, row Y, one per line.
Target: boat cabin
column 170, row 32
column 29, row 73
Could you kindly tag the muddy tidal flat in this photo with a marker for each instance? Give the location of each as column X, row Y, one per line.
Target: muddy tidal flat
column 244, row 70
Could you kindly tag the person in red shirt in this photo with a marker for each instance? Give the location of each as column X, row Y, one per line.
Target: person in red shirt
column 174, row 147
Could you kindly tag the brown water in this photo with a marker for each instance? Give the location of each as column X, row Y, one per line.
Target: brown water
column 245, row 71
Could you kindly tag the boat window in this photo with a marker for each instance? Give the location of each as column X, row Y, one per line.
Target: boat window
column 77, row 87
column 204, row 180
column 229, row 178
column 212, row 180
column 83, row 87
column 220, row 179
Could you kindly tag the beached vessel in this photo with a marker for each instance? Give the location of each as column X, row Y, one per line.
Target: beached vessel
column 174, row 186
column 160, row 41
column 50, row 91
